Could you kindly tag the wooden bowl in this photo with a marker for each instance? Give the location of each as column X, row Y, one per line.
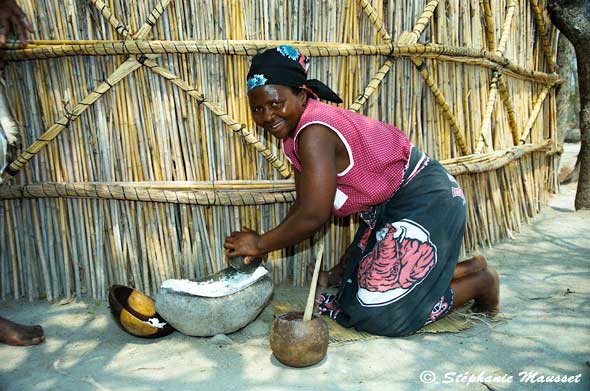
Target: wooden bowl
column 299, row 343
column 133, row 311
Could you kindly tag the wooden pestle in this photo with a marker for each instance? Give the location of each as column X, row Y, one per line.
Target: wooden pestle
column 314, row 281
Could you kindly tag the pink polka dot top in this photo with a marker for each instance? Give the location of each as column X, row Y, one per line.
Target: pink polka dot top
column 377, row 152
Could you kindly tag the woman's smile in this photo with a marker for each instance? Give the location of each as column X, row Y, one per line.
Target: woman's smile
column 275, row 127
column 277, row 109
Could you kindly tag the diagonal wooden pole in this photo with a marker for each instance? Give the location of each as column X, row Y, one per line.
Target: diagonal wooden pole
column 410, row 38
column 111, row 19
column 424, row 19
column 129, row 66
column 543, row 34
column 375, row 20
column 372, row 86
column 510, row 113
column 502, row 87
column 534, row 114
column 385, row 67
column 234, row 125
column 497, row 84
column 62, row 123
column 489, row 24
column 421, row 24
column 490, row 30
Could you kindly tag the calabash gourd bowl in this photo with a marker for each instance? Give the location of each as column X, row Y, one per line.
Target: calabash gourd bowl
column 136, row 313
column 296, row 342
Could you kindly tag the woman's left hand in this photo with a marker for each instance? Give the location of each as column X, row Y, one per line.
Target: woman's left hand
column 244, row 243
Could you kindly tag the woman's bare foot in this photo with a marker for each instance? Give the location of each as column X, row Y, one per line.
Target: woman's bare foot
column 488, row 302
column 482, row 285
column 19, row 335
column 470, row 266
column 334, row 276
column 337, row 272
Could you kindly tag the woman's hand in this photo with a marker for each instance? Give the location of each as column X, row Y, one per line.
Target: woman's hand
column 245, row 243
column 12, row 18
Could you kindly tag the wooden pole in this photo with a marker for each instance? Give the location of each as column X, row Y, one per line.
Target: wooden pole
column 314, row 282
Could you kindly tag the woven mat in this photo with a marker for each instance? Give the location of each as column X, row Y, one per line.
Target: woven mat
column 454, row 322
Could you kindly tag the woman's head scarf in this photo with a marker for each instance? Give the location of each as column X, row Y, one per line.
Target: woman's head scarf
column 286, row 66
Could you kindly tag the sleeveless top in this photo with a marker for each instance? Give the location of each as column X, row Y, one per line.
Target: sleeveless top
column 378, row 154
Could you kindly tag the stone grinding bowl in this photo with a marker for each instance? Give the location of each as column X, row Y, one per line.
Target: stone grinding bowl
column 133, row 309
column 202, row 316
column 298, row 343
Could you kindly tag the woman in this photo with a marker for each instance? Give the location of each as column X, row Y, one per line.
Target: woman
column 400, row 271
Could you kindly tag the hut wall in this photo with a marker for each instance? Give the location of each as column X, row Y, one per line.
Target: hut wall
column 143, row 184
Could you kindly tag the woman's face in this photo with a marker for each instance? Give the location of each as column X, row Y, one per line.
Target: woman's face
column 277, row 109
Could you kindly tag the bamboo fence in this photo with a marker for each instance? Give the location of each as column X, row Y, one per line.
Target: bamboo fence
column 140, row 155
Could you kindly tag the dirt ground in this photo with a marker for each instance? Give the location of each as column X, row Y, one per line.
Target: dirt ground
column 545, row 290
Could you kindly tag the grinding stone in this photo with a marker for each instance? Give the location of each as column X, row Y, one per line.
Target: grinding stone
column 207, row 316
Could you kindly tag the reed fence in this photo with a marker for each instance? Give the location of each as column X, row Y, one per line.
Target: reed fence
column 140, row 154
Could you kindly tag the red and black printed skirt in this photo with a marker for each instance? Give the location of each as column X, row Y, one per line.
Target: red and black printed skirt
column 402, row 259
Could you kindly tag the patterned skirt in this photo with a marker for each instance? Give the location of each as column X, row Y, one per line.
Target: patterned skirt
column 402, row 259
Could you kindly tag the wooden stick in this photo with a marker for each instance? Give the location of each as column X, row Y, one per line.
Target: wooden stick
column 534, row 114
column 543, row 34
column 489, row 24
column 314, row 281
column 375, row 19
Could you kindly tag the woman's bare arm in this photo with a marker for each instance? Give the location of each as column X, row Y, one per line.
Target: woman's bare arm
column 316, row 187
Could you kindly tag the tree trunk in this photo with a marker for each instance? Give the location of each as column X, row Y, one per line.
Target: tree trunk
column 568, row 101
column 572, row 18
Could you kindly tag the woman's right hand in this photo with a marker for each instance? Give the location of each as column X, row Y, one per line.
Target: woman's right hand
column 243, row 243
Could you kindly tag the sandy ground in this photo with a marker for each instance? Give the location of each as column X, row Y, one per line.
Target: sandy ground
column 544, row 275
